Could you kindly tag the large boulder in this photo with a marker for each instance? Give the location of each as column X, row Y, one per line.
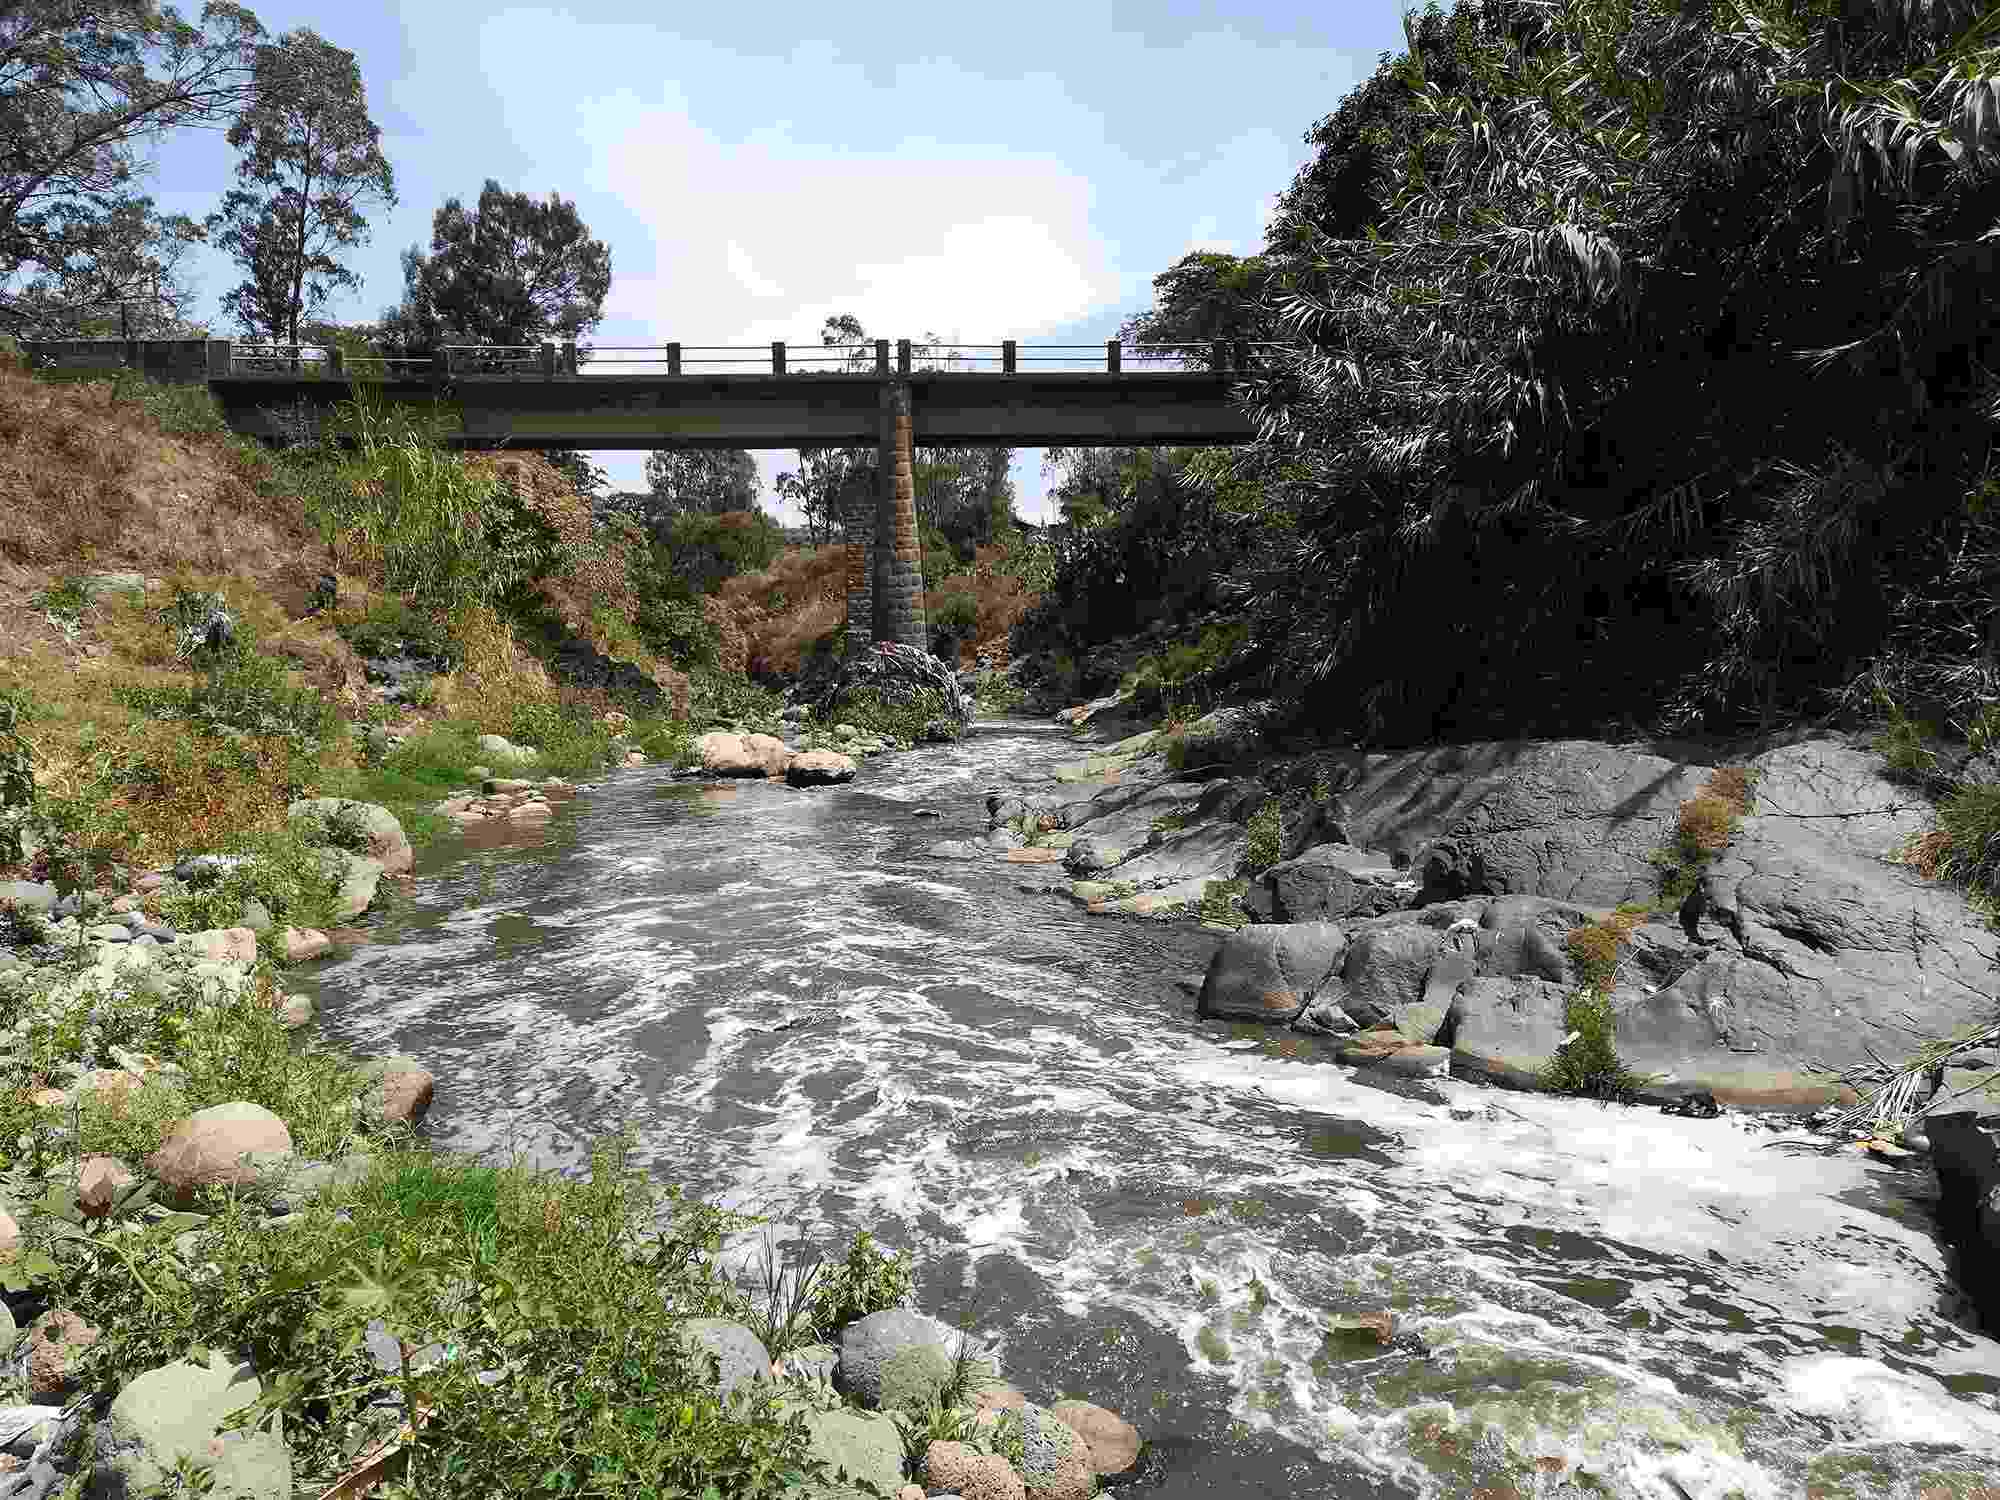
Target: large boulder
column 900, row 1357
column 177, row 1410
column 231, row 1145
column 952, row 1468
column 725, row 754
column 1328, row 882
column 1271, row 973
column 387, row 843
column 1055, row 1462
column 898, row 674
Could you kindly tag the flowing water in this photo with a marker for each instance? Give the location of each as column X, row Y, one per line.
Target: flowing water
column 799, row 1013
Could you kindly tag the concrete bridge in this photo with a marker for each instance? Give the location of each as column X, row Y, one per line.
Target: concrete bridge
column 551, row 396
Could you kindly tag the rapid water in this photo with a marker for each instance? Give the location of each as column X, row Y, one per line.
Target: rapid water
column 800, row 1014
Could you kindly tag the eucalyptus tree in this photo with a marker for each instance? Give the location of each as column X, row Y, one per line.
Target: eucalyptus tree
column 310, row 159
column 84, row 84
column 1679, row 298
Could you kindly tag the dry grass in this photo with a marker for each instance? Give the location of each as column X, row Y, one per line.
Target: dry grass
column 93, row 486
column 782, row 610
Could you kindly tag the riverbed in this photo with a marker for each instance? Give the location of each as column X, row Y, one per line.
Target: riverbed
column 799, row 1013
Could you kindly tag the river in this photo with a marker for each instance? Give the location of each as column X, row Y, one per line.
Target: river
column 1161, row 1213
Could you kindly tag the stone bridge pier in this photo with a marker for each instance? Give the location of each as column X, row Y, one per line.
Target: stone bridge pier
column 885, row 576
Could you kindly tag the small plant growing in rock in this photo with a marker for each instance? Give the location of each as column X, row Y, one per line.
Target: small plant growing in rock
column 1267, row 837
column 1221, row 902
column 1587, row 1063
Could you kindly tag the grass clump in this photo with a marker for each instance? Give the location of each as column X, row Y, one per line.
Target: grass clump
column 1186, row 671
column 1706, row 823
column 1267, row 837
column 1222, row 902
column 1587, row 1062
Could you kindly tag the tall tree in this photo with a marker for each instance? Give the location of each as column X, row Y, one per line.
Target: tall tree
column 514, row 270
column 828, row 481
column 1203, row 297
column 83, row 83
column 702, row 481
column 311, row 156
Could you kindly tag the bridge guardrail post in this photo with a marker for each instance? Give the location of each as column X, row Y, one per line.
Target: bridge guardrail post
column 1218, row 356
column 881, row 356
column 569, row 358
column 1111, row 356
column 333, row 361
column 902, row 356
column 673, row 359
column 1009, row 356
column 218, row 359
column 548, row 361
column 778, row 357
column 1242, row 355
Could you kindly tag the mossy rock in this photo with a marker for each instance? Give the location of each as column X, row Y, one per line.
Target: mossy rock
column 867, row 1444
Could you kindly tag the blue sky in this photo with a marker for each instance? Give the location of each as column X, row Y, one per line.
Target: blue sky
column 987, row 172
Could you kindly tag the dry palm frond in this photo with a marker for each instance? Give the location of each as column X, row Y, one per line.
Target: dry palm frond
column 1892, row 1104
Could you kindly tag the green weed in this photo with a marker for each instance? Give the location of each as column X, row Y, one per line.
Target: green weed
column 1267, row 837
column 1589, row 1065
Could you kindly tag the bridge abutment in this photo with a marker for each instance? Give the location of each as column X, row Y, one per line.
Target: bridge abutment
column 897, row 603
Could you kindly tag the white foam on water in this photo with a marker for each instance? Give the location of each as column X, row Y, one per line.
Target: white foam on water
column 1870, row 1402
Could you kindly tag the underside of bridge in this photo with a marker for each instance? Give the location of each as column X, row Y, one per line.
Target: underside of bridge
column 885, row 573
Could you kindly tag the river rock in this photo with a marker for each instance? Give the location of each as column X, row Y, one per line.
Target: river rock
column 954, row 1468
column 741, row 1357
column 360, row 878
column 301, row 944
column 897, row 1357
column 954, row 849
column 396, row 1090
column 819, row 768
column 1090, row 854
column 54, row 1340
column 1270, row 973
column 224, row 944
column 387, row 842
column 177, row 1410
column 867, row 1444
column 236, row 1144
column 1055, row 1463
column 506, row 752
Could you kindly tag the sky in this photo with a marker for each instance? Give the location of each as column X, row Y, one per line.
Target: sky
column 979, row 172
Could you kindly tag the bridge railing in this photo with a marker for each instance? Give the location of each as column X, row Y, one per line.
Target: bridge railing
column 532, row 361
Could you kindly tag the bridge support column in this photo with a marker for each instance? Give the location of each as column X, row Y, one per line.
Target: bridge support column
column 899, row 569
column 857, row 515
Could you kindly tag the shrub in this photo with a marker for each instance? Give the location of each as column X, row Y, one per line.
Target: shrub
column 909, row 722
column 569, row 741
column 17, row 777
column 390, row 627
column 284, row 870
column 867, row 1281
column 719, row 697
column 953, row 615
column 1590, row 1064
column 703, row 550
column 1221, row 901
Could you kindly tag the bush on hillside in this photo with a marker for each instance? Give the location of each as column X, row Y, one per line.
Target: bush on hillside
column 704, row 550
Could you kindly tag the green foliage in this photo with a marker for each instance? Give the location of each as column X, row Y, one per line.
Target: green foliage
column 867, row 710
column 180, row 410
column 17, row 776
column 391, row 627
column 719, row 697
column 239, row 689
column 560, row 1287
column 1267, row 837
column 284, row 870
column 668, row 615
column 1187, row 671
column 997, row 693
column 1590, row 1065
column 1222, row 902
column 866, row 1281
column 954, row 615
column 571, row 740
column 704, row 550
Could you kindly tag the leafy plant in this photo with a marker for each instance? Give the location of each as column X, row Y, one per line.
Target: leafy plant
column 1267, row 837
column 17, row 777
column 784, row 1314
column 1588, row 1063
column 866, row 1281
column 1221, row 902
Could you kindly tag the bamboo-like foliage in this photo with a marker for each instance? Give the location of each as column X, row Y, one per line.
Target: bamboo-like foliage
column 1691, row 293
